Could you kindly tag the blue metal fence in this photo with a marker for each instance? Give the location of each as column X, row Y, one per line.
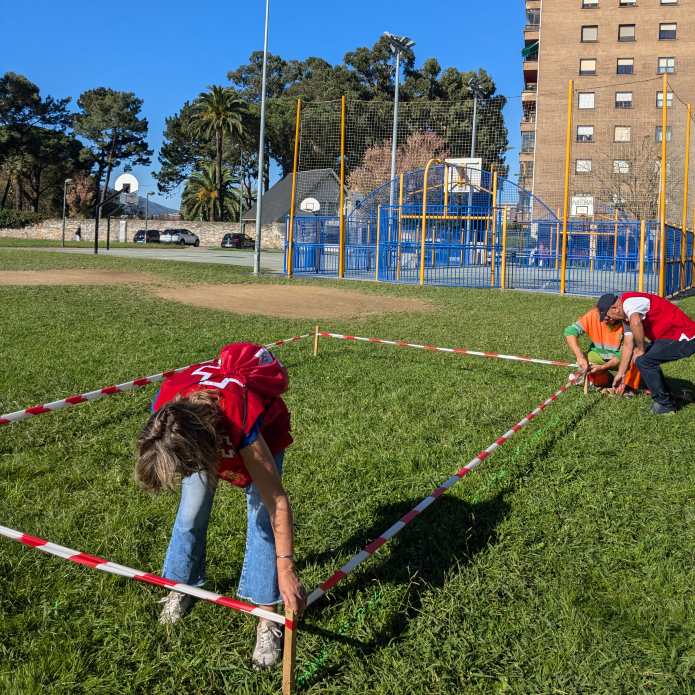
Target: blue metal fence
column 471, row 240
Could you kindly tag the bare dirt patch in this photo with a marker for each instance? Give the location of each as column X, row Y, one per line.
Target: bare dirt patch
column 290, row 301
column 73, row 277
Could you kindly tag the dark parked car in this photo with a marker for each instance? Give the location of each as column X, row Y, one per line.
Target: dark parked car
column 237, row 240
column 152, row 236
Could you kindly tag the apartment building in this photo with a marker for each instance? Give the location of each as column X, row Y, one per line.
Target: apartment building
column 617, row 52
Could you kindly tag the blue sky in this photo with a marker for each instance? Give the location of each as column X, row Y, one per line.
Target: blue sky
column 168, row 51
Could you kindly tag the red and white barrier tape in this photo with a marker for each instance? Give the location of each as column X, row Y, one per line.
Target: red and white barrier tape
column 387, row 535
column 26, row 413
column 458, row 351
column 98, row 563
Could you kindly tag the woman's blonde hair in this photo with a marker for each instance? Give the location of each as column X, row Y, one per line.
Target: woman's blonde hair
column 180, row 439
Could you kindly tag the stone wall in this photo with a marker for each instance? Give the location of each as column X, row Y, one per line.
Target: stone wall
column 210, row 233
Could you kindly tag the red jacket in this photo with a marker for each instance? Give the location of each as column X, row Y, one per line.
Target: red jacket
column 249, row 381
column 664, row 320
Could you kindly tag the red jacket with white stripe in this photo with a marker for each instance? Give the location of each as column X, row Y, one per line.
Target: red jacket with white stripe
column 249, row 381
column 664, row 320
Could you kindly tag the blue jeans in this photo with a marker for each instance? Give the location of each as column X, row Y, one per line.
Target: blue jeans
column 185, row 558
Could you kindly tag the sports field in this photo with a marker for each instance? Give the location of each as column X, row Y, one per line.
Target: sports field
column 564, row 564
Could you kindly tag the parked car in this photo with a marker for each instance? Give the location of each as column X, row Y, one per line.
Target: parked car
column 146, row 236
column 237, row 240
column 179, row 236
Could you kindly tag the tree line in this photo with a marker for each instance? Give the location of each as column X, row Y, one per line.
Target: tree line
column 210, row 145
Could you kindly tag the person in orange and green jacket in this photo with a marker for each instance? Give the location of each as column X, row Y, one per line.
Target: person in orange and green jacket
column 603, row 354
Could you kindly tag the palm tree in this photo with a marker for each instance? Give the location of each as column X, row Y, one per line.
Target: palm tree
column 220, row 112
column 201, row 196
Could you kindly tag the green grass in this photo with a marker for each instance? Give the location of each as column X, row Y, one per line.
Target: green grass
column 563, row 565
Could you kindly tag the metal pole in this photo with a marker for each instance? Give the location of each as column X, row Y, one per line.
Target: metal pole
column 662, row 211
column 394, row 135
column 493, row 229
column 341, row 202
column 642, row 243
column 241, row 192
column 65, row 192
column 147, row 212
column 290, row 231
column 566, row 195
column 684, row 219
column 469, row 224
column 423, row 240
column 378, row 241
column 261, row 149
column 503, row 269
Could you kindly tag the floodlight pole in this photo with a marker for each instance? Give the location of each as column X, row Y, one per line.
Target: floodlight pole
column 65, row 193
column 261, row 149
column 473, row 84
column 394, row 135
column 241, row 193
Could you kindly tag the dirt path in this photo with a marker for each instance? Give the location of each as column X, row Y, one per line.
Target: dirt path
column 73, row 277
column 283, row 301
column 290, row 301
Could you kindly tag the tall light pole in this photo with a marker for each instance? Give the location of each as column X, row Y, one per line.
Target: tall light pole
column 261, row 149
column 398, row 45
column 147, row 211
column 474, row 86
column 65, row 192
column 241, row 193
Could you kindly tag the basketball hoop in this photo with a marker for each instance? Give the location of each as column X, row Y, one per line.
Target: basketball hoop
column 310, row 205
column 464, row 174
column 127, row 185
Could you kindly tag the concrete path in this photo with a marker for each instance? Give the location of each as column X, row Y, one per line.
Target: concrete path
column 270, row 261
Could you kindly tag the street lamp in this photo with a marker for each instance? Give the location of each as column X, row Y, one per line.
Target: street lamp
column 147, row 210
column 474, row 86
column 65, row 192
column 398, row 45
column 261, row 149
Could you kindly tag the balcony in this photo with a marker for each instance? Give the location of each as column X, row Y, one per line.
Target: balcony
column 529, row 92
column 532, row 32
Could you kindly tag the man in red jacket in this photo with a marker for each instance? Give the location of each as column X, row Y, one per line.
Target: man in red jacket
column 670, row 330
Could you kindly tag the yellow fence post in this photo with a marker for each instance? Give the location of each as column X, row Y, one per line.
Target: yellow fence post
column 642, row 244
column 662, row 210
column 423, row 240
column 494, row 229
column 503, row 269
column 566, row 197
column 341, row 212
column 293, row 201
column 684, row 218
column 557, row 239
column 446, row 189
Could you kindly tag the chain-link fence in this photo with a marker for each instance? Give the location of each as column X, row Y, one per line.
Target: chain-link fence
column 588, row 217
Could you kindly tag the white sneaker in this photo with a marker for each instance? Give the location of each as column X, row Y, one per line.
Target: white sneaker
column 176, row 605
column 268, row 644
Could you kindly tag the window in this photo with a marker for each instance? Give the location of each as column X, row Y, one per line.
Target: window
column 669, row 2
column 585, row 133
column 626, row 66
column 623, row 133
column 623, row 100
column 586, row 100
column 587, row 66
column 660, row 99
column 621, row 166
column 626, row 32
column 528, row 142
column 666, row 65
column 659, row 132
column 590, row 33
column 627, row 3
column 588, row 4
column 582, row 166
column 667, row 31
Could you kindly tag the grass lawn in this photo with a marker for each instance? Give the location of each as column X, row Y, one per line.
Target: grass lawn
column 563, row 565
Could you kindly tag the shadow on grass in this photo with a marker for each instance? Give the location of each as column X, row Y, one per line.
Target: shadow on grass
column 446, row 537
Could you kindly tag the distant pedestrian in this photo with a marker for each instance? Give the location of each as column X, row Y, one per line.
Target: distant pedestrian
column 78, row 234
column 670, row 330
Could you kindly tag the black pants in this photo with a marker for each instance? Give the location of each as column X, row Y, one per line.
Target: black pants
column 649, row 365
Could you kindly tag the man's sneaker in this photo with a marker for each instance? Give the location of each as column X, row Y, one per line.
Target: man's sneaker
column 176, row 605
column 268, row 645
column 659, row 409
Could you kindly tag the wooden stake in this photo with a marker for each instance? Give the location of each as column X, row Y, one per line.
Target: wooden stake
column 316, row 341
column 586, row 384
column 289, row 654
